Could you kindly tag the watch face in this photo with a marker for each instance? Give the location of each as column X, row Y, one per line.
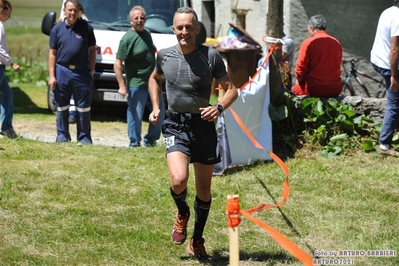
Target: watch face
column 220, row 108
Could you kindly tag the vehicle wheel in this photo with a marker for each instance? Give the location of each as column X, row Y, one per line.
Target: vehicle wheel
column 381, row 90
column 50, row 101
column 348, row 90
column 380, row 94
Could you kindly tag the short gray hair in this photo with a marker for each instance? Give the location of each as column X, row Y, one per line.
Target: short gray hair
column 318, row 22
column 187, row 10
column 136, row 8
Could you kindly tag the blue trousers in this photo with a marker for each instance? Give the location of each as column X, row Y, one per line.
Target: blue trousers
column 7, row 97
column 391, row 116
column 78, row 84
column 137, row 100
column 72, row 108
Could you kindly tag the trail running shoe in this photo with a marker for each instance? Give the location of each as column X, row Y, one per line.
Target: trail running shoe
column 389, row 152
column 179, row 232
column 197, row 249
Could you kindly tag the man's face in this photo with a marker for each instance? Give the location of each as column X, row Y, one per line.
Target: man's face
column 185, row 29
column 5, row 14
column 72, row 13
column 137, row 19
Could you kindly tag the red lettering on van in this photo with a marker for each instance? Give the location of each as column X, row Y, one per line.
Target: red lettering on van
column 106, row 50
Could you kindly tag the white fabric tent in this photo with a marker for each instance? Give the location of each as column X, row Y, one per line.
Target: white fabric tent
column 252, row 107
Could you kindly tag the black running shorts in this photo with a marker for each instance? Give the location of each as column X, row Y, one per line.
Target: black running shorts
column 195, row 138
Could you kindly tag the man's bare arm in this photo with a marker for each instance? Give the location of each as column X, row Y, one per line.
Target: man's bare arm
column 52, row 56
column 230, row 94
column 154, row 89
column 394, row 61
column 118, row 69
column 92, row 59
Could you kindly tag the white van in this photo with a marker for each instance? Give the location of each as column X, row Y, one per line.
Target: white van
column 110, row 21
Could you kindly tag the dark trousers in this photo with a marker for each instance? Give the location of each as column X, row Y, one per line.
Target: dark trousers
column 78, row 84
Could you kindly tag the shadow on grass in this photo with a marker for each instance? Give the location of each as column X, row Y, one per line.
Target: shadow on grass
column 220, row 259
column 286, row 219
column 238, row 168
column 24, row 105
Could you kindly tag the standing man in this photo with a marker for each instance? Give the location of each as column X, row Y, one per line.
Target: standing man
column 318, row 67
column 72, row 107
column 137, row 50
column 385, row 60
column 189, row 129
column 72, row 59
column 7, row 95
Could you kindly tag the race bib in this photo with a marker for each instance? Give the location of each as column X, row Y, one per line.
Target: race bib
column 169, row 141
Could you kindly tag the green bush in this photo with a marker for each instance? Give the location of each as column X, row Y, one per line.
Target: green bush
column 326, row 123
column 32, row 72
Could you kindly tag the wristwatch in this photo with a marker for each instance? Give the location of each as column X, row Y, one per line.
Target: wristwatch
column 220, row 108
column 92, row 71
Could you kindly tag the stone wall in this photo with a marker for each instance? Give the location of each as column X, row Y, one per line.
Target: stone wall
column 371, row 107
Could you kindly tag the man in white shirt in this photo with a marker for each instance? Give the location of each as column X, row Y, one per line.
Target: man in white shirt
column 7, row 96
column 385, row 60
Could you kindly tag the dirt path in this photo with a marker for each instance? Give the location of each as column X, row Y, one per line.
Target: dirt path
column 103, row 133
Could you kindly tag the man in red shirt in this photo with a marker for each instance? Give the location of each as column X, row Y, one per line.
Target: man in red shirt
column 318, row 67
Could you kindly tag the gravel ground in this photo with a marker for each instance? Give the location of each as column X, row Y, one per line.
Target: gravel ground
column 110, row 133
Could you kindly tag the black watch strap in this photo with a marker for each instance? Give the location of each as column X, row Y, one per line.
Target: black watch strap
column 220, row 108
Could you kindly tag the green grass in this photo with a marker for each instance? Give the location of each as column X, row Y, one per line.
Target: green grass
column 34, row 9
column 96, row 205
column 30, row 43
column 24, row 36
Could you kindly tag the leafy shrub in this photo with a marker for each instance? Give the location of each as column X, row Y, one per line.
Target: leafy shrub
column 326, row 123
column 31, row 72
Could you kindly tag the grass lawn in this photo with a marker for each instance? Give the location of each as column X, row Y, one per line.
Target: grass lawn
column 34, row 9
column 23, row 31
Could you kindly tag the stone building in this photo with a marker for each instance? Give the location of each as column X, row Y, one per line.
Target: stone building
column 353, row 22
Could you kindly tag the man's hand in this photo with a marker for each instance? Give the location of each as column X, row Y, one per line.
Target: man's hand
column 210, row 113
column 394, row 84
column 153, row 118
column 52, row 82
column 122, row 91
column 16, row 67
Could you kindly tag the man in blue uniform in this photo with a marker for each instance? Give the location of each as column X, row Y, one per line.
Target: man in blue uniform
column 72, row 59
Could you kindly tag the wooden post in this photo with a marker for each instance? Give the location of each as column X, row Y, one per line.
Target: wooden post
column 275, row 30
column 234, row 250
